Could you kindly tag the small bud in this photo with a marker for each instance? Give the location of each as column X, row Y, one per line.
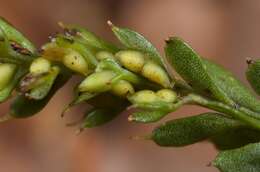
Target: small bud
column 40, row 65
column 167, row 95
column 6, row 74
column 144, row 96
column 97, row 82
column 53, row 52
column 76, row 62
column 104, row 55
column 122, row 88
column 132, row 60
column 41, row 85
column 156, row 73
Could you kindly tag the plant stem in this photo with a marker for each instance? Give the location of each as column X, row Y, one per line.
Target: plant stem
column 220, row 107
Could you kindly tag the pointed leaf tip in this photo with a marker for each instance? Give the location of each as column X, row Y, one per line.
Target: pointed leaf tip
column 167, row 40
column 249, row 60
column 130, row 118
column 61, row 24
column 65, row 110
column 79, row 131
column 110, row 23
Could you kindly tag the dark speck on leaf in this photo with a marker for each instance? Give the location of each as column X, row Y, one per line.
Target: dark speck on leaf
column 18, row 48
column 70, row 32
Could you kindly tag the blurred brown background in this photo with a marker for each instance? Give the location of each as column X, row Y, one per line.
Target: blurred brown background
column 224, row 30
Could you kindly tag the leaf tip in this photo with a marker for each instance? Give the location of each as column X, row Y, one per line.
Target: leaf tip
column 131, row 118
column 110, row 23
column 79, row 131
column 249, row 60
column 167, row 40
column 65, row 110
column 61, row 24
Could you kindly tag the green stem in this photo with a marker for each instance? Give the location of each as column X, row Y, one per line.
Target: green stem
column 220, row 107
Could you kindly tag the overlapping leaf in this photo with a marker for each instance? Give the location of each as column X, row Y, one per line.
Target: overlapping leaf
column 206, row 76
column 189, row 130
column 245, row 159
column 133, row 40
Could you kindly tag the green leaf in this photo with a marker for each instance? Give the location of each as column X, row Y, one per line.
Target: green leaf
column 14, row 47
column 86, row 51
column 235, row 138
column 7, row 91
column 78, row 98
column 81, row 97
column 253, row 75
column 135, row 41
column 103, row 100
column 12, row 52
column 154, row 111
column 206, row 76
column 189, row 130
column 98, row 117
column 245, row 159
column 187, row 63
column 88, row 38
column 147, row 116
column 233, row 88
column 107, row 100
column 106, row 107
column 39, row 91
column 103, row 110
column 22, row 107
column 14, row 35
